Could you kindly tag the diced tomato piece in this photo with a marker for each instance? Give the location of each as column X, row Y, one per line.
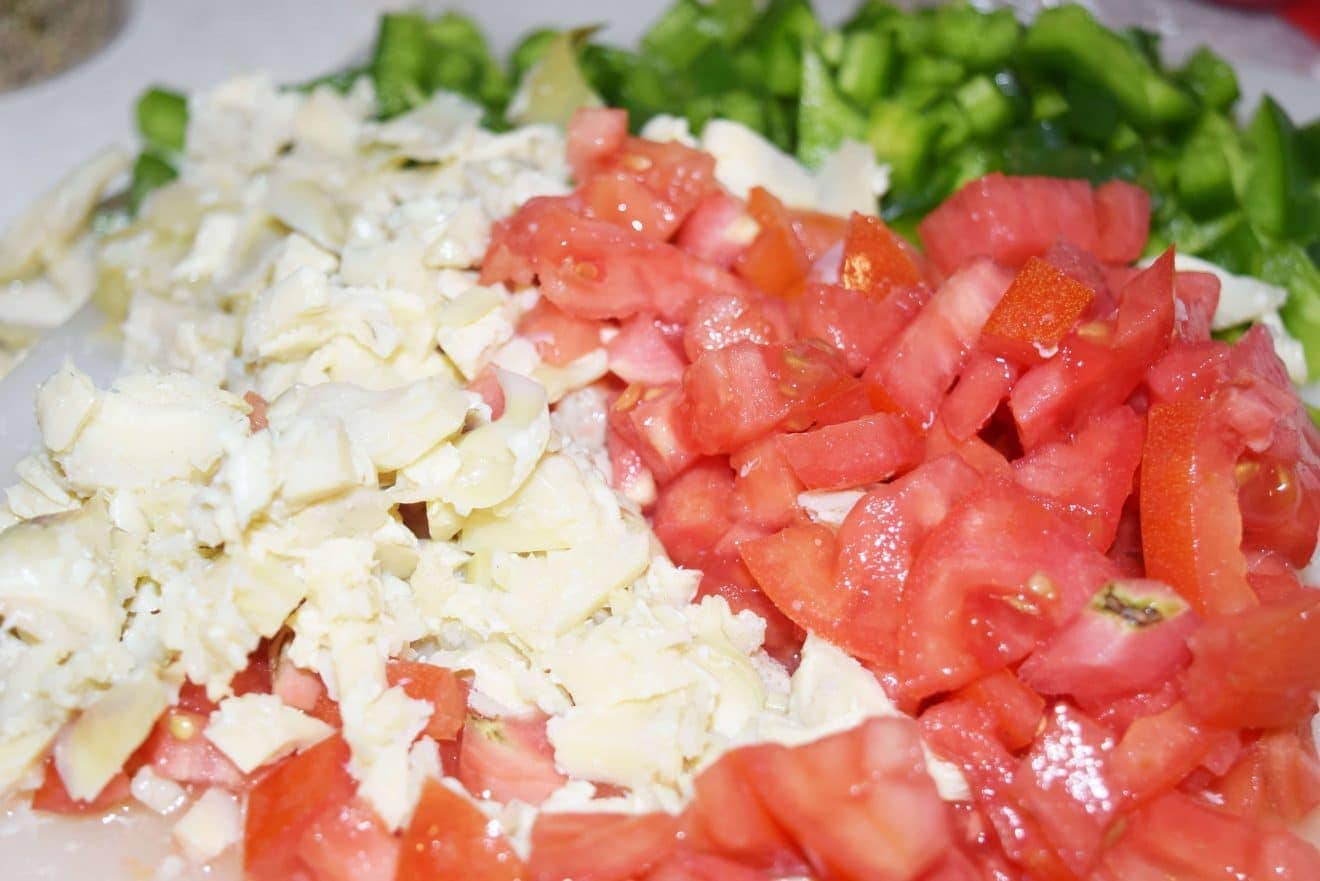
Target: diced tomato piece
column 487, row 385
column 1018, row 711
column 854, row 323
column 1088, row 478
column 1198, row 292
column 1259, row 668
column 1276, row 780
column 1179, row 836
column 976, row 452
column 1129, row 637
column 257, row 415
column 1190, row 522
column 1040, row 307
column 1084, row 267
column 438, row 686
column 1271, row 577
column 873, row 261
column 1009, row 219
column 997, row 576
column 559, row 337
column 287, row 801
column 508, row 758
column 628, row 473
column 641, row 352
column 794, row 568
column 1188, row 369
column 594, row 134
column 695, row 511
column 619, row 198
column 765, row 489
column 599, row 847
column 685, row 866
column 726, row 816
column 1122, row 215
column 981, row 388
column 717, row 230
column 178, row 750
column 877, row 542
column 349, row 843
column 255, row 678
column 776, row 262
column 859, row 804
column 852, row 402
column 919, row 365
column 1159, row 750
column 721, row 320
column 652, row 422
column 818, row 231
column 52, row 798
column 449, row 839
column 856, row 453
column 1066, row 783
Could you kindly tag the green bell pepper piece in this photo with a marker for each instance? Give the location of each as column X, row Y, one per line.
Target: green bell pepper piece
column 162, row 119
column 866, row 69
column 1210, row 78
column 824, row 118
column 398, row 64
column 978, row 40
column 1276, row 187
column 1288, row 266
column 987, row 109
column 150, row 172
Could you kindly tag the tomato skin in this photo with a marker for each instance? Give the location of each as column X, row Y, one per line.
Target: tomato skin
column 859, row 804
column 447, row 840
column 52, row 798
column 1259, row 668
column 285, row 803
column 855, row 453
column 922, row 361
column 508, row 758
column 873, row 261
column 1129, row 637
column 1087, row 479
column 594, row 133
column 599, row 847
column 1191, row 525
column 438, row 686
column 1122, row 214
column 1039, row 308
column 969, row 602
column 981, row 388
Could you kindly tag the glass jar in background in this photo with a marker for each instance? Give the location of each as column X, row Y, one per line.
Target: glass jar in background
column 40, row 38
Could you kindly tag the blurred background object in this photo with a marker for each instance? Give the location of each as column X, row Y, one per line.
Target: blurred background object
column 40, row 38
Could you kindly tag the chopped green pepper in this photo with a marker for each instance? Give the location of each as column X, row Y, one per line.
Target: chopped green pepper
column 1289, row 267
column 398, row 64
column 150, row 172
column 1210, row 78
column 162, row 119
column 824, row 118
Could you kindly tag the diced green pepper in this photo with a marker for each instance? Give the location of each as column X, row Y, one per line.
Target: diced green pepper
column 1205, row 178
column 988, row 110
column 1289, row 267
column 1092, row 113
column 902, row 137
column 1276, row 181
column 150, row 172
column 162, row 119
column 1070, row 42
column 824, row 118
column 1210, row 78
column 398, row 64
column 867, row 67
column 979, row 40
column 677, row 36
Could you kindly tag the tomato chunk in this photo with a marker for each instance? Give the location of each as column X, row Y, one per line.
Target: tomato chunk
column 599, row 847
column 560, row 338
column 853, row 453
column 349, row 843
column 1122, row 214
column 508, row 758
column 873, row 261
column 641, row 352
column 449, row 840
column 594, row 133
column 1039, row 308
column 438, row 686
column 53, row 798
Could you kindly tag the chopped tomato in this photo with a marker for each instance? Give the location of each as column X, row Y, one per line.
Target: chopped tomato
column 438, row 686
column 994, row 579
column 1129, row 637
column 776, row 261
column 854, row 323
column 726, row 816
column 818, row 231
column 919, row 365
column 628, row 473
column 598, row 846
column 859, row 804
column 793, row 567
column 694, row 512
column 1010, row 219
column 685, row 866
column 873, row 260
column 560, row 338
column 178, row 750
column 717, row 230
column 349, row 843
column 1259, row 668
column 53, row 798
column 981, row 388
column 257, row 415
column 1277, row 779
column 1122, row 215
column 1190, row 523
column 727, row 577
column 1085, row 268
column 449, row 839
column 1088, row 478
column 1198, row 293
column 721, row 320
column 1158, row 750
column 508, row 758
column 855, row 453
column 1018, row 711
column 487, row 385
column 765, row 489
column 642, row 352
column 651, row 421
column 1039, row 308
column 594, row 133
column 286, row 802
